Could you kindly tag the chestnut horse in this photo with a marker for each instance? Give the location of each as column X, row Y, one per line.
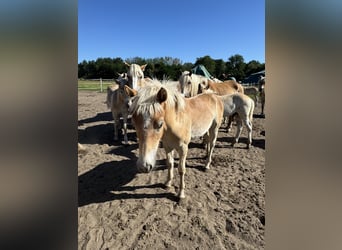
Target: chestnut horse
column 160, row 113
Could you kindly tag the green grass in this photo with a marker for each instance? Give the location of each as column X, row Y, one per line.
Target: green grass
column 93, row 85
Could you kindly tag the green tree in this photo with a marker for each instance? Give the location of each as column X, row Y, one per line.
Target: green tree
column 82, row 69
column 220, row 68
column 91, row 71
column 207, row 62
column 253, row 67
column 105, row 68
column 236, row 67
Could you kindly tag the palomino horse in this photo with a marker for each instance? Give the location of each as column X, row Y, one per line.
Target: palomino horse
column 261, row 84
column 118, row 97
column 243, row 105
column 135, row 75
column 190, row 83
column 222, row 88
column 160, row 113
column 252, row 92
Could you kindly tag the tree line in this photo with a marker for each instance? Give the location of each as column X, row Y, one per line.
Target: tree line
column 107, row 68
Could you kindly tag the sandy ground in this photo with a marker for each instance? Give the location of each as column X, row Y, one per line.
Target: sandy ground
column 122, row 209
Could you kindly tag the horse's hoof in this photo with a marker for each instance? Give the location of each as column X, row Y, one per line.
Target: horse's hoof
column 181, row 201
column 181, row 195
column 167, row 185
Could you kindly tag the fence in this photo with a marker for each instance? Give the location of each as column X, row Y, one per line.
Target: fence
column 94, row 84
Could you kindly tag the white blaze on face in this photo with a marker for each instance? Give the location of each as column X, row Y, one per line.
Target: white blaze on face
column 147, row 157
column 136, row 74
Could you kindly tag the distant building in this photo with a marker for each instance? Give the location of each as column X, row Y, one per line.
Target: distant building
column 253, row 78
column 201, row 70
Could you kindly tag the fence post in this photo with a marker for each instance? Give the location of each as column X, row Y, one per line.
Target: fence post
column 101, row 84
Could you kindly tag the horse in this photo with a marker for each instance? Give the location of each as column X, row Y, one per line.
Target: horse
column 261, row 84
column 160, row 113
column 135, row 75
column 118, row 98
column 252, row 92
column 190, row 83
column 242, row 105
column 222, row 88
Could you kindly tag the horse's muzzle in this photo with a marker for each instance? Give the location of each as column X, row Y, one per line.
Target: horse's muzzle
column 144, row 167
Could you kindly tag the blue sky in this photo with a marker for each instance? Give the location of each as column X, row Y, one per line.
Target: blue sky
column 184, row 29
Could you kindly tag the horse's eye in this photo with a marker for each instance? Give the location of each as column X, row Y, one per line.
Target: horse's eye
column 159, row 124
column 189, row 82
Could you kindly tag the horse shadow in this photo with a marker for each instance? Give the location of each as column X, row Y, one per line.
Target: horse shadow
column 105, row 116
column 126, row 151
column 259, row 143
column 102, row 134
column 261, row 116
column 107, row 182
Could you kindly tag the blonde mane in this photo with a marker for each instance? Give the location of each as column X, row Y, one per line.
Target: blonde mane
column 196, row 81
column 145, row 102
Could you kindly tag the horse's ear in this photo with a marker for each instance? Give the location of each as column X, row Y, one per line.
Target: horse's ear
column 162, row 95
column 190, row 73
column 143, row 67
column 129, row 91
column 126, row 63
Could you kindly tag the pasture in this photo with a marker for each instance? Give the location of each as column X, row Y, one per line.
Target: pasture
column 119, row 208
column 94, row 85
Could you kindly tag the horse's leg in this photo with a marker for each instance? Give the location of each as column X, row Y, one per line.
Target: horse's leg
column 238, row 131
column 230, row 121
column 170, row 164
column 262, row 103
column 116, row 121
column 249, row 126
column 205, row 142
column 213, row 131
column 181, row 169
column 125, row 128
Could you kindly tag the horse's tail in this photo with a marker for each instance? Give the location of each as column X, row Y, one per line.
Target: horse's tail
column 109, row 99
column 251, row 110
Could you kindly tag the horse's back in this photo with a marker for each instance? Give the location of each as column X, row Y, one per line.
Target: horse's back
column 223, row 88
column 236, row 103
column 204, row 109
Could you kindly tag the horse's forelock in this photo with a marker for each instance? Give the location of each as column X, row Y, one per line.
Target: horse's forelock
column 146, row 99
column 134, row 69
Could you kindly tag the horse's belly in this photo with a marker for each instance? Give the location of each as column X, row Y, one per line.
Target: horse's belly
column 199, row 130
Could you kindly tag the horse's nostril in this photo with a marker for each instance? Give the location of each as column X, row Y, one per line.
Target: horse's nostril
column 149, row 167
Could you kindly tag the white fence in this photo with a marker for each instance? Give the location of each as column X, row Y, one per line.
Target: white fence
column 100, row 81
